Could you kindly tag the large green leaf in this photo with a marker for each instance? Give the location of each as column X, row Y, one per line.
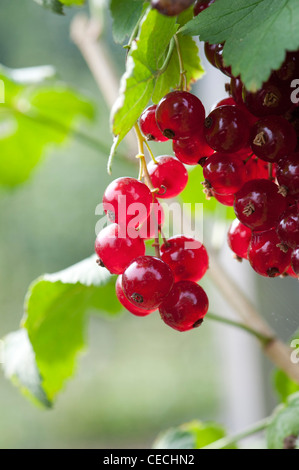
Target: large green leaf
column 257, row 33
column 125, row 16
column 284, row 425
column 55, row 318
column 284, row 385
column 35, row 113
column 193, row 435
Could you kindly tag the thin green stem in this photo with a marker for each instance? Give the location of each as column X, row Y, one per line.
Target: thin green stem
column 150, row 152
column 264, row 339
column 231, row 440
column 183, row 79
column 167, row 58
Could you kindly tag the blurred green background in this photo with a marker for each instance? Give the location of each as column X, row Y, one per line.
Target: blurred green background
column 138, row 376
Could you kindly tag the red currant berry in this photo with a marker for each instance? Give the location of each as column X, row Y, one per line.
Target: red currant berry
column 273, row 137
column 290, row 67
column 150, row 228
column 169, row 175
column 236, row 90
column 287, row 173
column 180, row 114
column 226, row 129
column 220, row 63
column 210, row 52
column 288, row 227
column 267, row 255
column 295, row 261
column 201, row 5
column 171, row 7
column 290, row 272
column 149, row 126
column 190, row 151
column 257, row 169
column 147, row 281
column 116, row 249
column 224, row 173
column 272, row 98
column 187, row 258
column 139, row 312
column 225, row 102
column 258, row 204
column 224, row 199
column 238, row 238
column 185, row 306
column 124, row 197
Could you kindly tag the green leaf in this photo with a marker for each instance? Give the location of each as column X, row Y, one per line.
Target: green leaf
column 36, row 112
column 55, row 319
column 284, row 423
column 57, row 5
column 125, row 16
column 193, row 194
column 20, row 367
column 193, row 435
column 284, row 385
column 257, row 33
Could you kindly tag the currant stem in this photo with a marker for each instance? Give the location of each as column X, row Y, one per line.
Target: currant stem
column 150, row 152
column 263, row 338
column 270, row 171
column 231, row 440
column 168, row 57
column 183, row 79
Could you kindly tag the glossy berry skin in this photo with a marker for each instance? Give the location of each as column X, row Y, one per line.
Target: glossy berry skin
column 210, row 52
column 258, row 204
column 265, row 255
column 220, row 63
column 225, row 102
column 147, row 281
column 116, row 249
column 169, row 175
column 288, row 227
column 224, row 199
column 287, row 173
column 149, row 126
column 289, row 68
column 224, row 173
column 273, row 137
column 139, row 312
column 187, row 258
column 150, row 228
column 272, row 98
column 238, row 239
column 123, row 192
column 226, row 129
column 295, row 261
column 171, row 7
column 257, row 169
column 185, row 306
column 190, row 151
column 201, row 5
column 290, row 272
column 180, row 114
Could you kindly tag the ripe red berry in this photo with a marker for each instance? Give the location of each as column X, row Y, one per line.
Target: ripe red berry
column 147, row 281
column 267, row 255
column 171, row 7
column 116, row 249
column 273, row 137
column 258, row 204
column 226, row 129
column 295, row 261
column 210, row 52
column 169, row 175
column 150, row 228
column 290, row 272
column 139, row 312
column 257, row 169
column 288, row 227
column 287, row 173
column 238, row 238
column 149, row 126
column 225, row 173
column 201, row 5
column 180, row 114
column 289, row 69
column 272, row 98
column 119, row 197
column 190, row 151
column 185, row 306
column 220, row 63
column 224, row 199
column 224, row 102
column 187, row 258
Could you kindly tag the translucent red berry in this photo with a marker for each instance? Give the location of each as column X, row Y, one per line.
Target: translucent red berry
column 273, row 137
column 210, row 52
column 238, row 238
column 288, row 227
column 226, row 129
column 225, row 173
column 150, row 228
column 125, row 198
column 219, row 62
column 258, row 204
column 290, row 272
column 180, row 114
column 190, row 151
column 287, row 173
column 148, row 125
column 185, row 306
column 171, row 7
column 224, row 199
column 169, row 175
column 116, row 249
column 272, row 98
column 295, row 261
column 147, row 281
column 201, row 5
column 187, row 258
column 139, row 312
column 267, row 255
column 225, row 102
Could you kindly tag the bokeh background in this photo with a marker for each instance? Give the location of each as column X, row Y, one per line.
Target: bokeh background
column 137, row 377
